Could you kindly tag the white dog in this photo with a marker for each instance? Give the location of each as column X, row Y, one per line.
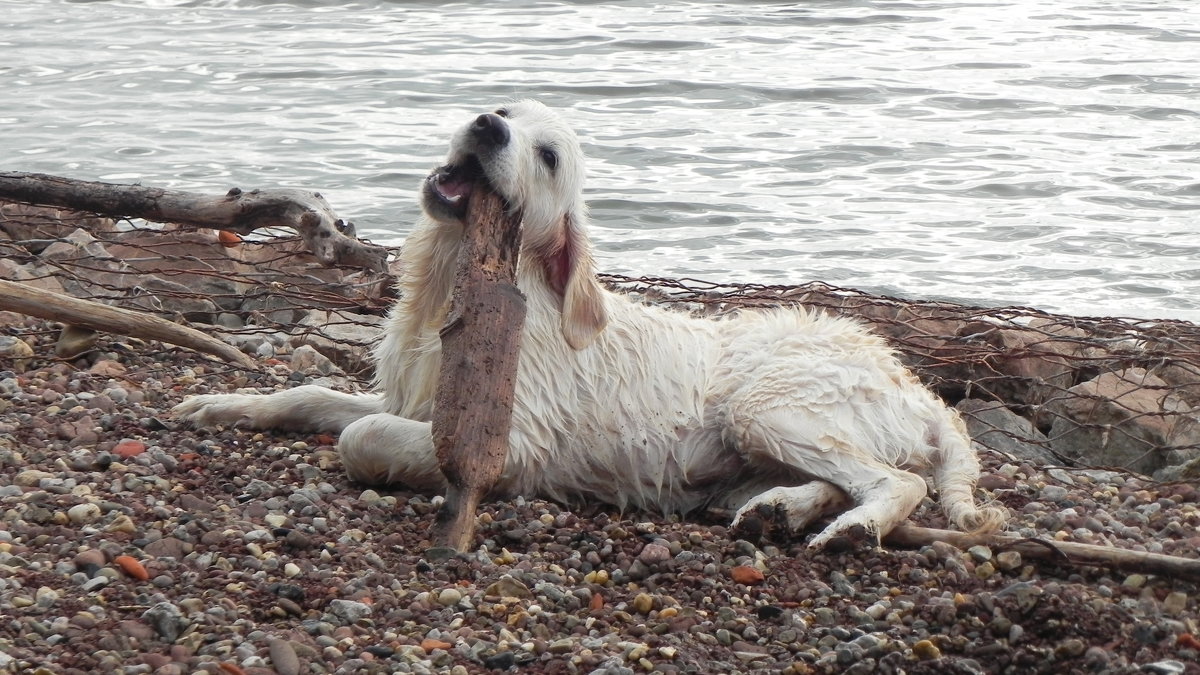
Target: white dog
column 630, row 404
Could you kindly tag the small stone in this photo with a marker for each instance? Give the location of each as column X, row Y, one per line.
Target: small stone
column 1070, row 648
column 1134, row 581
column 1008, row 560
column 94, row 584
column 31, row 477
column 73, row 341
column 283, row 656
column 168, row 547
column 89, row 558
column 563, row 646
column 980, row 553
column 45, row 596
column 449, row 597
column 1054, row 493
column 508, row 587
column 16, row 349
column 298, row 540
column 1175, row 603
column 349, row 610
column 500, row 661
column 643, row 603
column 653, row 554
column 985, row 570
column 925, row 650
column 194, row 504
column 121, row 523
column 291, row 570
column 429, row 644
column 992, row 481
column 167, row 620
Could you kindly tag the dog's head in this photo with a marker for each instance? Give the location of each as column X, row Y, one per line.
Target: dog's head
column 531, row 158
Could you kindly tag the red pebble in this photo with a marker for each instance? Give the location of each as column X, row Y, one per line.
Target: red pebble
column 744, row 574
column 129, row 565
column 228, row 239
column 127, row 449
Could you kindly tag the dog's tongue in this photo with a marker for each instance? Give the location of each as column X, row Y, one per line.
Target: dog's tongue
column 454, row 187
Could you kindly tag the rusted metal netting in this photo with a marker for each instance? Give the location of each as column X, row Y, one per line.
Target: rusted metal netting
column 264, row 295
column 1045, row 388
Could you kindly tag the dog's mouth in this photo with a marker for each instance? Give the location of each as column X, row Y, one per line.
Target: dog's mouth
column 452, row 184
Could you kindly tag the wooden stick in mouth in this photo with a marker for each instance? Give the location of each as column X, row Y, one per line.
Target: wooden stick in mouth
column 481, row 343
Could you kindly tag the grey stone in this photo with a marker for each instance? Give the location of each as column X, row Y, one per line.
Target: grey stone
column 167, row 620
column 349, row 610
column 306, row 359
column 993, row 425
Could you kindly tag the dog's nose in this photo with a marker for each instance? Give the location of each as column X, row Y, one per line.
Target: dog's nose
column 491, row 129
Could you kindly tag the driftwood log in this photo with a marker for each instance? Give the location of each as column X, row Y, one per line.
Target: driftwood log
column 305, row 211
column 43, row 304
column 480, row 348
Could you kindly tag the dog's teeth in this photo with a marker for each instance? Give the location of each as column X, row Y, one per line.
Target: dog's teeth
column 454, row 199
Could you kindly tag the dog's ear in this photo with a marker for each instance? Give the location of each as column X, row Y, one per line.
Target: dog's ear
column 571, row 273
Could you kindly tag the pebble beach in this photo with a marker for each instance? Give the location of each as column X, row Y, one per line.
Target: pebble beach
column 133, row 543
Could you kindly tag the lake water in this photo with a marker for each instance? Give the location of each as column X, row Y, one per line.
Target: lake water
column 991, row 152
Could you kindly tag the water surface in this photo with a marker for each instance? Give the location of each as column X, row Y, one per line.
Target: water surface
column 1009, row 152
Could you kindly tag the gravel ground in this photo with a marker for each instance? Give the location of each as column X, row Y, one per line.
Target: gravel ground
column 133, row 544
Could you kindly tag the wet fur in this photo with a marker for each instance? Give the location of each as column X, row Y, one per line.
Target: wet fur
column 631, row 404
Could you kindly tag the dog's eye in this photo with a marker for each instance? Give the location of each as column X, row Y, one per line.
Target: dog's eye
column 549, row 157
column 502, row 112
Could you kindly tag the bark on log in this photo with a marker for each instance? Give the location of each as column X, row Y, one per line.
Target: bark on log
column 23, row 299
column 480, row 348
column 304, row 211
column 1064, row 552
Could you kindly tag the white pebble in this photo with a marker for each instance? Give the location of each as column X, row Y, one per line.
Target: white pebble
column 82, row 514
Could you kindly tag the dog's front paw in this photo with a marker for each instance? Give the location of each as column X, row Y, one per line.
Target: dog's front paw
column 213, row 409
column 796, row 507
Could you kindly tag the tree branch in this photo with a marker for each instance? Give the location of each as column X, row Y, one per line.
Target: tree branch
column 23, row 299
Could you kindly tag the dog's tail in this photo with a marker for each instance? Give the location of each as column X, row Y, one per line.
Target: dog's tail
column 955, row 472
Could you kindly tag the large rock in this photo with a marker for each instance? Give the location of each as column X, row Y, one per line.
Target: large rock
column 1127, row 418
column 994, row 426
column 35, row 227
column 32, row 274
column 346, row 338
column 1022, row 365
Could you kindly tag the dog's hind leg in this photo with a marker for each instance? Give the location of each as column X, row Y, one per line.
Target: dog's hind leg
column 381, row 449
column 882, row 496
column 307, row 408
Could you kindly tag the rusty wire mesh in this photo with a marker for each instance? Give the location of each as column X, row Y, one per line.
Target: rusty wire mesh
column 1043, row 388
